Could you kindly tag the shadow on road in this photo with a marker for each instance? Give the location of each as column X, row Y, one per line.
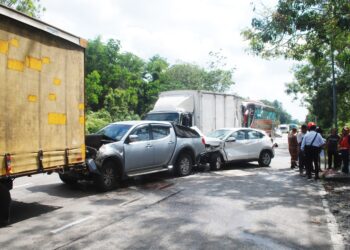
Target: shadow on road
column 22, row 211
column 62, row 190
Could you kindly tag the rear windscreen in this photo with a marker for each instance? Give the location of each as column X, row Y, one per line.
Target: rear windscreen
column 185, row 132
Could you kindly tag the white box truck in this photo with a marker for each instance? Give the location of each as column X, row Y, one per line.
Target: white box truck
column 206, row 110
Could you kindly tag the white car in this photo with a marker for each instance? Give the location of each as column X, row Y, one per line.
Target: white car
column 284, row 128
column 241, row 144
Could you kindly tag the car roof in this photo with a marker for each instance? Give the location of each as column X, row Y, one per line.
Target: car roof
column 242, row 128
column 133, row 123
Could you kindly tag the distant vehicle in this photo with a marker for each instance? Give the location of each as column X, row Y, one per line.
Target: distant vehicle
column 278, row 132
column 206, row 110
column 284, row 128
column 241, row 144
column 132, row 148
column 258, row 115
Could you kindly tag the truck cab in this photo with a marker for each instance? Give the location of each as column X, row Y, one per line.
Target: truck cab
column 179, row 118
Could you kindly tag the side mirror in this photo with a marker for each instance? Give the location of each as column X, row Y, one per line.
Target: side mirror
column 133, row 138
column 231, row 139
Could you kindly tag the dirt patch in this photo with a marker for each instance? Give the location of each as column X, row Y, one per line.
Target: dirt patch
column 338, row 197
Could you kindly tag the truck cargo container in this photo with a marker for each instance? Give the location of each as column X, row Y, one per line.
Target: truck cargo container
column 41, row 99
column 206, row 110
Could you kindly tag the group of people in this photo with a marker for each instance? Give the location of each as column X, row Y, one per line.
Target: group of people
column 306, row 145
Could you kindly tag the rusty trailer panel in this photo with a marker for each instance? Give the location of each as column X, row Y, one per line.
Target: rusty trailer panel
column 41, row 96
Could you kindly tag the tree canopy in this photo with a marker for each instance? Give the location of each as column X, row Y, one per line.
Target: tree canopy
column 32, row 8
column 125, row 86
column 309, row 32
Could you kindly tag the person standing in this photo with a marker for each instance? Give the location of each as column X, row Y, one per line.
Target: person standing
column 311, row 146
column 301, row 157
column 332, row 148
column 293, row 147
column 344, row 147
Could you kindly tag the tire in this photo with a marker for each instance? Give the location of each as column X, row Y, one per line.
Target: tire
column 216, row 162
column 108, row 179
column 184, row 165
column 265, row 158
column 67, row 179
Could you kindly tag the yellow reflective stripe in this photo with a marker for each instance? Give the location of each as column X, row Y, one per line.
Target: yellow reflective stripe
column 57, row 119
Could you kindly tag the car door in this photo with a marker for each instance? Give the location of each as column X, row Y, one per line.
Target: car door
column 236, row 150
column 163, row 141
column 139, row 154
column 254, row 143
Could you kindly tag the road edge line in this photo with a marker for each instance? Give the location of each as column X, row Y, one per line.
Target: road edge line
column 333, row 228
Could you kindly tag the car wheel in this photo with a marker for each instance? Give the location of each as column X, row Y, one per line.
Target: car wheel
column 67, row 179
column 265, row 158
column 184, row 165
column 216, row 162
column 108, row 179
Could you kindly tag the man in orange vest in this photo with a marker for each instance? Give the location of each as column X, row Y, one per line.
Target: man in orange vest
column 344, row 147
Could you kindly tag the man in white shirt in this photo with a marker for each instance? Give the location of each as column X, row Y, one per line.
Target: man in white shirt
column 311, row 146
column 301, row 157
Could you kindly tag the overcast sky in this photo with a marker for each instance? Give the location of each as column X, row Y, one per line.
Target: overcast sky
column 181, row 31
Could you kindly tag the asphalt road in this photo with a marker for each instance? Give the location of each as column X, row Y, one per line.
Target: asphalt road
column 242, row 207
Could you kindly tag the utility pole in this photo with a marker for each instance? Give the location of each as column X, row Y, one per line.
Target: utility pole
column 334, row 90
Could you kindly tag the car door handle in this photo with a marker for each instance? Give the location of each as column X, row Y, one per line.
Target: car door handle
column 149, row 146
column 171, row 142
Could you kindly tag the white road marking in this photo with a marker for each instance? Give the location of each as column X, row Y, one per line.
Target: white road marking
column 71, row 224
column 23, row 185
column 128, row 202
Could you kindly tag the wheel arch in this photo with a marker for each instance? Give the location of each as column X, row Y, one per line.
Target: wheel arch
column 119, row 166
column 187, row 150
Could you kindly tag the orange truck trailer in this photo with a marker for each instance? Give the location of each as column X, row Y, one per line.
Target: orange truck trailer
column 41, row 99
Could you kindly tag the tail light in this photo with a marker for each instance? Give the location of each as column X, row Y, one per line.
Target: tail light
column 8, row 164
column 203, row 140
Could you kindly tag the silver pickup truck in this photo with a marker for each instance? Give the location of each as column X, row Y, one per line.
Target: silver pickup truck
column 131, row 148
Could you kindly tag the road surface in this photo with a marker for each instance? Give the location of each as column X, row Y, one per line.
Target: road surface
column 242, row 207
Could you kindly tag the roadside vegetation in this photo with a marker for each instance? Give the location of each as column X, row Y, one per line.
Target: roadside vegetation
column 122, row 86
column 311, row 33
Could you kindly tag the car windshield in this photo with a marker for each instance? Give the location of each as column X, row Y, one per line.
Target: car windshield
column 114, row 131
column 170, row 117
column 220, row 134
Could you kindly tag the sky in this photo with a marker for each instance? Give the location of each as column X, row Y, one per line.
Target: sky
column 182, row 31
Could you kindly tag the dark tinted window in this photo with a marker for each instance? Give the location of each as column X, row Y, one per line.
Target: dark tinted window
column 142, row 133
column 185, row 132
column 251, row 135
column 170, row 117
column 160, row 132
column 239, row 135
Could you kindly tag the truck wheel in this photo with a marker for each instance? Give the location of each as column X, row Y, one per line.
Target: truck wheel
column 265, row 158
column 216, row 162
column 67, row 179
column 5, row 203
column 183, row 165
column 108, row 179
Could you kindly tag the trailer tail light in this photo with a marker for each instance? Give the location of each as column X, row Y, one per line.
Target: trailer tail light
column 8, row 164
column 203, row 140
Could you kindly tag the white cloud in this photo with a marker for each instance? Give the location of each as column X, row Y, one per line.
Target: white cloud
column 180, row 30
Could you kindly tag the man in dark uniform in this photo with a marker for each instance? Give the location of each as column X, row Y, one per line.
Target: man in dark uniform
column 311, row 146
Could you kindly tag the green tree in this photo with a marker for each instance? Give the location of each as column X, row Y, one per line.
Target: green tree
column 93, row 89
column 281, row 114
column 192, row 76
column 32, row 8
column 309, row 31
